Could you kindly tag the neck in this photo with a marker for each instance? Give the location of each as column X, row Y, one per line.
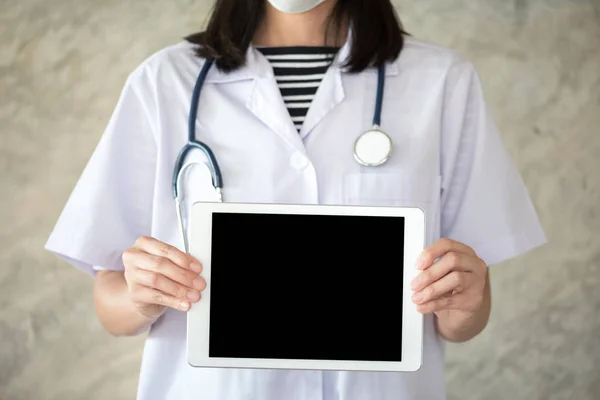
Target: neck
column 305, row 29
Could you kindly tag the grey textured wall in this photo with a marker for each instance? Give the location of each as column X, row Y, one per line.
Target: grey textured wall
column 62, row 64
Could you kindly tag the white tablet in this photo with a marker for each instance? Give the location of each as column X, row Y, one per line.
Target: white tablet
column 306, row 287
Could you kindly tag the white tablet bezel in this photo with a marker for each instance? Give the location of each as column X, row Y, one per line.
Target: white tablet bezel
column 198, row 316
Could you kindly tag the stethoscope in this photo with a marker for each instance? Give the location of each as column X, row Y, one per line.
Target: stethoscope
column 372, row 148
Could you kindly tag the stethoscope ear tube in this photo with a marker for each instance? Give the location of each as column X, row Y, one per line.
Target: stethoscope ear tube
column 192, row 143
column 379, row 98
column 215, row 171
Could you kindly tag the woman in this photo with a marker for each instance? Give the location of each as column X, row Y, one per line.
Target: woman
column 292, row 87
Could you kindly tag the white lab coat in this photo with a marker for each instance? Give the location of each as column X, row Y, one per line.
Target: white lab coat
column 448, row 159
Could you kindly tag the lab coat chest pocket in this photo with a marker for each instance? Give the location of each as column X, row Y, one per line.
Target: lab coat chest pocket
column 400, row 189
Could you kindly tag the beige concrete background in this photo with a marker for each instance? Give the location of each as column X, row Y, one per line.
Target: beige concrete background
column 62, row 65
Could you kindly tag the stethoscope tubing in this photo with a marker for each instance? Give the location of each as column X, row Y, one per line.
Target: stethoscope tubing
column 213, row 165
column 193, row 143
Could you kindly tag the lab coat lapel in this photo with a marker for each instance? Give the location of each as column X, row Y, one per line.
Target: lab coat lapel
column 330, row 93
column 267, row 104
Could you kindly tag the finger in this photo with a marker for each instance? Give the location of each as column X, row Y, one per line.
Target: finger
column 153, row 280
column 438, row 249
column 449, row 262
column 143, row 295
column 453, row 283
column 173, row 254
column 164, row 266
column 451, row 302
column 446, row 302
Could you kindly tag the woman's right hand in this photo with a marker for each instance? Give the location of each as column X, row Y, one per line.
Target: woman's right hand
column 159, row 276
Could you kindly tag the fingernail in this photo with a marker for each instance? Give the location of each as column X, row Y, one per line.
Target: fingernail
column 193, row 295
column 420, row 263
column 194, row 266
column 184, row 305
column 417, row 297
column 198, row 284
column 414, row 283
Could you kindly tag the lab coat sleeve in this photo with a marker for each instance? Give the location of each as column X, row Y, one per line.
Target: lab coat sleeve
column 111, row 203
column 485, row 203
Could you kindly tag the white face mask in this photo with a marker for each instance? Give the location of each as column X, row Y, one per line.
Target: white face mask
column 295, row 6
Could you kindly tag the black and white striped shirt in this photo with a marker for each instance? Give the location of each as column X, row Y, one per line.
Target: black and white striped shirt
column 299, row 72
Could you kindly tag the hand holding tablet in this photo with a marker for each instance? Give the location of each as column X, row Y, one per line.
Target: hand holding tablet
column 306, row 287
column 159, row 275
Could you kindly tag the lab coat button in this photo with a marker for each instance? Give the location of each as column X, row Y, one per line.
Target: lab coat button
column 298, row 161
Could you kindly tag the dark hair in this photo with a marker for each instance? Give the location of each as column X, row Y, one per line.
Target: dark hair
column 377, row 33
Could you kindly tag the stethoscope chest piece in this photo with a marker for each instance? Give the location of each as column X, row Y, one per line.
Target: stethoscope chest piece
column 372, row 148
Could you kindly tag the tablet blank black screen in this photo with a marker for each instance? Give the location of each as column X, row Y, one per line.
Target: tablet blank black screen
column 306, row 287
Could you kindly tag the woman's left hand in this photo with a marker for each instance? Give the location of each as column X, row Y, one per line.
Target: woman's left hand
column 453, row 283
